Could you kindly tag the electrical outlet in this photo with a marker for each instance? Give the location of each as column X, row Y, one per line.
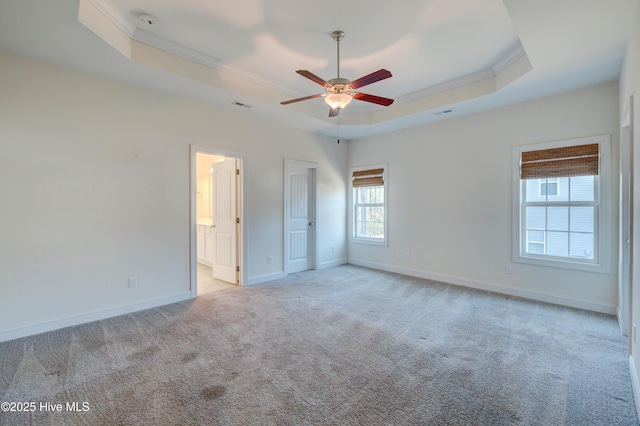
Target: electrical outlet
column 508, row 269
column 269, row 259
column 407, row 254
column 333, row 249
column 133, row 282
column 393, row 253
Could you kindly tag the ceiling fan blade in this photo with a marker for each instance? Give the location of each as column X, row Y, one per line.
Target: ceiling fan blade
column 301, row 99
column 373, row 99
column 371, row 78
column 311, row 76
column 333, row 112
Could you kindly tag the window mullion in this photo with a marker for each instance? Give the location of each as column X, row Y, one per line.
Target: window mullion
column 569, row 220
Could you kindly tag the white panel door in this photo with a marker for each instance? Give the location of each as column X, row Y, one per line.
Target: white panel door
column 300, row 221
column 224, row 224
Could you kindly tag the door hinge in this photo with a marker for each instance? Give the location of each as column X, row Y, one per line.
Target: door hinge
column 237, row 269
column 237, row 172
column 237, row 220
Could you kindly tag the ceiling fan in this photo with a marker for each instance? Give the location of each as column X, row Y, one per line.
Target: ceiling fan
column 340, row 91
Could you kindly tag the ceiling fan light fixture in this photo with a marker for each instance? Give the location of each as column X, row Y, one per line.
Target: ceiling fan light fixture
column 340, row 91
column 338, row 101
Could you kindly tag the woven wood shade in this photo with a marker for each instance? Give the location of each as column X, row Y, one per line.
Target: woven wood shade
column 581, row 160
column 371, row 177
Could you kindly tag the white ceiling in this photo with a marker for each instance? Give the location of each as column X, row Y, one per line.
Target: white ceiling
column 460, row 55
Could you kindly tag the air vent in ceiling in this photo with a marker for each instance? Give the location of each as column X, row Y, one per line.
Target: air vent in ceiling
column 444, row 111
column 238, row 103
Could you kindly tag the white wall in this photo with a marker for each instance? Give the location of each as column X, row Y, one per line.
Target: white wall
column 630, row 86
column 450, row 197
column 94, row 188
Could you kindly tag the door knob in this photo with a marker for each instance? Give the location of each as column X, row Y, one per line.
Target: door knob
column 312, row 224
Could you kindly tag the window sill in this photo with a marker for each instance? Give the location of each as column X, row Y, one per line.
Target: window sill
column 368, row 241
column 598, row 268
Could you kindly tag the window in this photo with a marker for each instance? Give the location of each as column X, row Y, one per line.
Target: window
column 369, row 205
column 559, row 213
column 548, row 187
column 535, row 241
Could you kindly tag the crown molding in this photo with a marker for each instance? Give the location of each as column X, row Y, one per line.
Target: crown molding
column 512, row 56
column 436, row 96
column 110, row 11
column 504, row 63
column 177, row 49
column 448, row 85
column 200, row 58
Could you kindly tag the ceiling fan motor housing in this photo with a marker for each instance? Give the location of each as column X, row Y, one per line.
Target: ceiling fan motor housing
column 338, row 85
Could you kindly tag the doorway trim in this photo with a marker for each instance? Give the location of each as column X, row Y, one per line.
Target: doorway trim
column 626, row 226
column 625, row 218
column 316, row 196
column 193, row 211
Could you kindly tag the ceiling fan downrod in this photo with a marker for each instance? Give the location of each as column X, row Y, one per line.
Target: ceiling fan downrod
column 337, row 36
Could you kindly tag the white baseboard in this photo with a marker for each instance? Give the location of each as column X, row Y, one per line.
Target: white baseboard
column 81, row 318
column 332, row 263
column 635, row 384
column 259, row 279
column 496, row 288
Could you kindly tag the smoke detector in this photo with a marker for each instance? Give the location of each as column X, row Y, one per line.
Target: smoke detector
column 146, row 18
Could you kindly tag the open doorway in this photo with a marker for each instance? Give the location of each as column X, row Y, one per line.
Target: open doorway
column 217, row 220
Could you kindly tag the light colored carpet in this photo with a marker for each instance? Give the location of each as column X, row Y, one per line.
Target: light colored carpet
column 341, row 346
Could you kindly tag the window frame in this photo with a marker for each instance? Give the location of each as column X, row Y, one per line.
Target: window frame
column 353, row 203
column 601, row 262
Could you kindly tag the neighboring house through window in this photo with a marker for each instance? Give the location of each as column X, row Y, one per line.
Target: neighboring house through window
column 369, row 219
column 559, row 204
column 548, row 187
